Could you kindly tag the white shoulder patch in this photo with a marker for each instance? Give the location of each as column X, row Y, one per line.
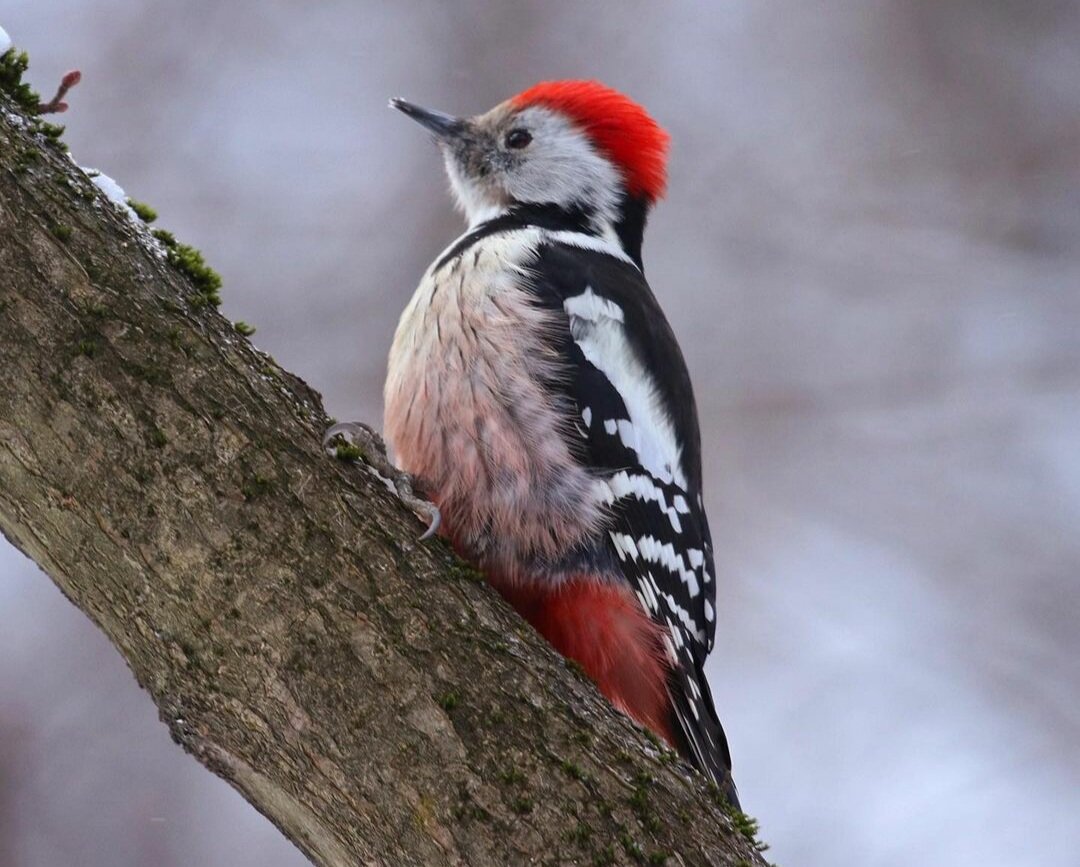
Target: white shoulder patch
column 596, row 325
column 591, row 307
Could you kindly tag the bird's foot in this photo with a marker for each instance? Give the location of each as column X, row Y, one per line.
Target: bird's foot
column 363, row 442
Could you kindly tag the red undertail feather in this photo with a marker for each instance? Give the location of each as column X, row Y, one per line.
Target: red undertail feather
column 606, row 631
column 618, row 126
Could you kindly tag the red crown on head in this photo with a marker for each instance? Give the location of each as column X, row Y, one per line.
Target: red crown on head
column 620, row 128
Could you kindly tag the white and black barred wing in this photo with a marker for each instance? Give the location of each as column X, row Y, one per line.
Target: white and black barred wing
column 629, row 391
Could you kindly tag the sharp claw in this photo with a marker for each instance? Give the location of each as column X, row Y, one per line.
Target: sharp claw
column 331, row 432
column 433, row 527
column 374, row 452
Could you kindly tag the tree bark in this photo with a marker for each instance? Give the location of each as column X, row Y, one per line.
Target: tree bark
column 366, row 692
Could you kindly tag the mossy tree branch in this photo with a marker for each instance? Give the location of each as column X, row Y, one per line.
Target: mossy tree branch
column 365, row 692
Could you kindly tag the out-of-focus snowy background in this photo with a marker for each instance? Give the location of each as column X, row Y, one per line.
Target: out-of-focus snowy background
column 871, row 253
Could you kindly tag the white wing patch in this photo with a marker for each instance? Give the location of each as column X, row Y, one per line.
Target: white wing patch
column 596, row 325
column 591, row 307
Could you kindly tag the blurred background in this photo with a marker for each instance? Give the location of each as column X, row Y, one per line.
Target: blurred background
column 870, row 251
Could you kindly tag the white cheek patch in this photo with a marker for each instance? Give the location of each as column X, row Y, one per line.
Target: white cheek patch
column 562, row 167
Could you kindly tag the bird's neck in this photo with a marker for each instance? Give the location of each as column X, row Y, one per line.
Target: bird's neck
column 630, row 226
column 626, row 228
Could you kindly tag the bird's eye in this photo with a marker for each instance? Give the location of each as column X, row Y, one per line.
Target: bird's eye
column 518, row 138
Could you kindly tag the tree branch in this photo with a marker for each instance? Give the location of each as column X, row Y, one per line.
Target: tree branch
column 364, row 691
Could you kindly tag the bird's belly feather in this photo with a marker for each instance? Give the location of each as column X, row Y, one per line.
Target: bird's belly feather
column 467, row 413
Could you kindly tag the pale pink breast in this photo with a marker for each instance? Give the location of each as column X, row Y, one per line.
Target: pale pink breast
column 466, row 412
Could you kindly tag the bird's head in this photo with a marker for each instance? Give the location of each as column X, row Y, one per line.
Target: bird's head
column 575, row 145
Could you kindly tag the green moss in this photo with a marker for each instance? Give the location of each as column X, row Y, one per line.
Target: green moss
column 143, row 210
column 745, row 825
column 53, row 132
column 241, row 327
column 521, row 805
column 157, row 438
column 469, row 809
column 190, row 262
column 632, row 848
column 465, row 572
column 573, row 770
column 512, row 776
column 150, row 372
column 640, row 802
column 580, row 834
column 12, row 66
column 79, row 190
column 450, row 700
column 202, row 299
column 604, row 857
column 167, row 238
column 348, row 452
column 87, row 347
column 26, row 158
column 62, row 232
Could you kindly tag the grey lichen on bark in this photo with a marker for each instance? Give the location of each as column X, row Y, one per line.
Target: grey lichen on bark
column 368, row 693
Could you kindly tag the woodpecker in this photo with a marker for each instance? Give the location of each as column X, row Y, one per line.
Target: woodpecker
column 537, row 393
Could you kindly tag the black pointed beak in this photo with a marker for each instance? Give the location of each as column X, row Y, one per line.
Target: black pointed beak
column 444, row 126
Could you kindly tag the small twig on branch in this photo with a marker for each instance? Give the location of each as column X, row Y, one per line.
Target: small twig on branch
column 56, row 105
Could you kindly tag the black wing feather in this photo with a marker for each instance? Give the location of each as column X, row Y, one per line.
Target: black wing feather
column 561, row 272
